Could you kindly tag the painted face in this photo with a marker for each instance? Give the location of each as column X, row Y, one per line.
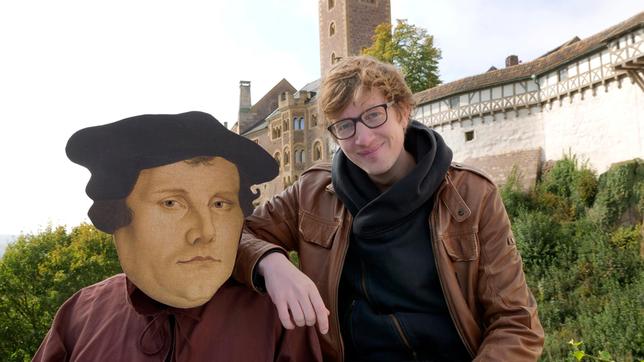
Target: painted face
column 378, row 151
column 182, row 242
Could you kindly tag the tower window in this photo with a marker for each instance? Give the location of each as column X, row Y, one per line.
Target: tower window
column 334, row 59
column 278, row 159
column 469, row 136
column 299, row 156
column 332, row 29
column 317, row 151
column 331, row 4
column 276, row 131
column 298, row 123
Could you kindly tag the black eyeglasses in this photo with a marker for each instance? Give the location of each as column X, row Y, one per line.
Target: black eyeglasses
column 373, row 117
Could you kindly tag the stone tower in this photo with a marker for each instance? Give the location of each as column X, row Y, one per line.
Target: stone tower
column 346, row 27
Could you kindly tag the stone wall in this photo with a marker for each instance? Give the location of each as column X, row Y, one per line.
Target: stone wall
column 336, row 43
column 354, row 22
column 363, row 16
column 499, row 167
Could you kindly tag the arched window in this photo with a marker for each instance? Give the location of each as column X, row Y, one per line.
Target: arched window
column 285, row 125
column 287, row 156
column 334, row 59
column 278, row 159
column 276, row 131
column 317, row 151
column 299, row 156
column 331, row 4
column 298, row 123
column 332, row 29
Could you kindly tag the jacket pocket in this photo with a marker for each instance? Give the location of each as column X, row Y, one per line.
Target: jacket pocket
column 462, row 247
column 317, row 230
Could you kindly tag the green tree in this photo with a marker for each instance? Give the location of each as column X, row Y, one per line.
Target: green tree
column 411, row 49
column 38, row 273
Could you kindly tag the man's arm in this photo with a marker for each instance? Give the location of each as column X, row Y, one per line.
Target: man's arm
column 512, row 328
column 268, row 234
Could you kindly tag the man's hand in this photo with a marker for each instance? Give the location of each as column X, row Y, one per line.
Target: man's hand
column 291, row 290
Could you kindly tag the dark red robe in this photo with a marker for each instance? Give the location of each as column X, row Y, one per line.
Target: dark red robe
column 115, row 321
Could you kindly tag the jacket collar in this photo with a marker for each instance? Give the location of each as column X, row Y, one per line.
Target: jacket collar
column 448, row 194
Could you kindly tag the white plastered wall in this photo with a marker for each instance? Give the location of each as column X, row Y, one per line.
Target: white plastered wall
column 605, row 128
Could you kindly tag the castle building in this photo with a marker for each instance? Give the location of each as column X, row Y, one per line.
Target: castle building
column 285, row 121
column 585, row 97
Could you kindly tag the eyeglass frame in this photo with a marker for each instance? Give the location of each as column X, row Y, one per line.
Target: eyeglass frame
column 355, row 120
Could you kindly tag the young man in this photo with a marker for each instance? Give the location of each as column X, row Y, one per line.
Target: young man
column 173, row 190
column 412, row 254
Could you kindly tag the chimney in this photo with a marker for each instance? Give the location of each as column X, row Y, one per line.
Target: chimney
column 244, row 95
column 511, row 60
column 244, row 106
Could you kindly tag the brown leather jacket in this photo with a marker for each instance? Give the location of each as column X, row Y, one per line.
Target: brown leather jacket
column 477, row 260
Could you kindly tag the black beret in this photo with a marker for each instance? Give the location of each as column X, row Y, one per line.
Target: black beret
column 115, row 153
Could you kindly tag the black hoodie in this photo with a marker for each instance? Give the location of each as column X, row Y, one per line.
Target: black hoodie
column 391, row 302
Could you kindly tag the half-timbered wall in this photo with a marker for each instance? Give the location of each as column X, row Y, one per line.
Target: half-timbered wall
column 584, row 106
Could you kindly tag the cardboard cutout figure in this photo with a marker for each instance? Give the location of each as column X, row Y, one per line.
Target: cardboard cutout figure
column 173, row 190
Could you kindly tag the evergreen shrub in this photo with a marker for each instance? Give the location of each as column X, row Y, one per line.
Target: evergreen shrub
column 580, row 239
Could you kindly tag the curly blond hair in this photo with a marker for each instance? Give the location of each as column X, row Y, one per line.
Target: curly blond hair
column 352, row 76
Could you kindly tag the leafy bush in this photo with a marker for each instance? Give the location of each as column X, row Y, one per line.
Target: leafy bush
column 568, row 189
column 580, row 240
column 514, row 198
column 542, row 241
column 619, row 326
column 38, row 273
column 620, row 193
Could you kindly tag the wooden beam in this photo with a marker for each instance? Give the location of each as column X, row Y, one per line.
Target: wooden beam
column 633, row 64
column 636, row 78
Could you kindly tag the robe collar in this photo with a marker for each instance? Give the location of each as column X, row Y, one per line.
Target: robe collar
column 156, row 336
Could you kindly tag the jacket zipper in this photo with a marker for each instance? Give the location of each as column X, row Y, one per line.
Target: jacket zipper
column 403, row 336
column 448, row 301
column 399, row 330
column 363, row 282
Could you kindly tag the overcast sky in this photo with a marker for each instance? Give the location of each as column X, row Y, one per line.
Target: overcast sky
column 65, row 65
